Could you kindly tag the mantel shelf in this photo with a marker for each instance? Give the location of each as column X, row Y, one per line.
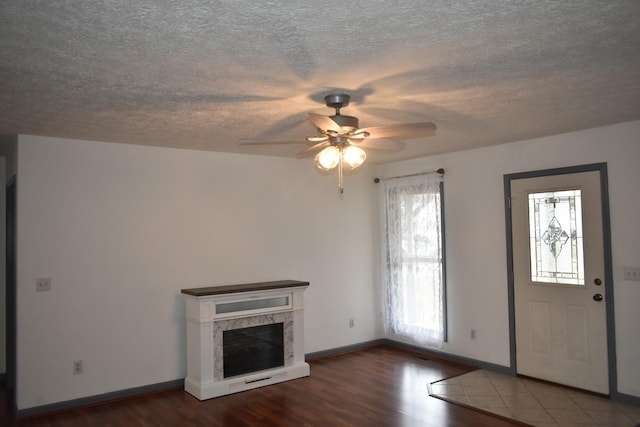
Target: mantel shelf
column 247, row 287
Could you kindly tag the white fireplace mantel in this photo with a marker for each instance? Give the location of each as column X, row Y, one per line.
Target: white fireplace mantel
column 213, row 310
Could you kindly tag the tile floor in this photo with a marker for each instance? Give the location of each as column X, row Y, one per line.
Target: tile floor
column 534, row 402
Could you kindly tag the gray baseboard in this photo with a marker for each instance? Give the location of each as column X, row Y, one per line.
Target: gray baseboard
column 506, row 370
column 625, row 398
column 101, row 398
column 426, row 352
column 132, row 392
column 451, row 357
column 342, row 350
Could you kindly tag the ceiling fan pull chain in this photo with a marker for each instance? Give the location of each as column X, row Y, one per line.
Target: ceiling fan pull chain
column 340, row 186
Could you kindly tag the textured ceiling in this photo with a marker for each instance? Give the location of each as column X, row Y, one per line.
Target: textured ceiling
column 204, row 74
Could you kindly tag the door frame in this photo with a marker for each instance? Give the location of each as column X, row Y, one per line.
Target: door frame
column 608, row 265
column 11, row 291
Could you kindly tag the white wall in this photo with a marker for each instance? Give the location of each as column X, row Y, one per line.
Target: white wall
column 121, row 229
column 476, row 242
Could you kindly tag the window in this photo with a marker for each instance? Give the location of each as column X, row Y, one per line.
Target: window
column 413, row 273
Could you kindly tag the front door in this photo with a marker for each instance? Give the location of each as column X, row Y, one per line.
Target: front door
column 558, row 279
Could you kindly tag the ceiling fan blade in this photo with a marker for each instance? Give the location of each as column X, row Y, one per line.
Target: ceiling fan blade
column 357, row 135
column 249, row 141
column 401, row 130
column 313, row 149
column 380, row 144
column 324, row 123
column 316, row 139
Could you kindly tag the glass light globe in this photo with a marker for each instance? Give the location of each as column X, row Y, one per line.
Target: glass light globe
column 327, row 159
column 353, row 157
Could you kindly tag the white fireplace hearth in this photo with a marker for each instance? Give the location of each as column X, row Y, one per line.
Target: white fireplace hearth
column 245, row 336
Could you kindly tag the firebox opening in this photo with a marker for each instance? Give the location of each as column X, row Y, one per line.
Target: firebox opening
column 252, row 349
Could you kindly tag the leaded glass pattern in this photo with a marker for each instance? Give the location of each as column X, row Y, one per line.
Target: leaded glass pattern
column 556, row 238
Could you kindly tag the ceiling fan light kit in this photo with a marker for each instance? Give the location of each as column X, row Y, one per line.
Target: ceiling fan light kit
column 327, row 159
column 344, row 157
column 339, row 141
column 353, row 156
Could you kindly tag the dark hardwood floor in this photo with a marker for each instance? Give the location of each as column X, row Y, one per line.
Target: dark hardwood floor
column 379, row 386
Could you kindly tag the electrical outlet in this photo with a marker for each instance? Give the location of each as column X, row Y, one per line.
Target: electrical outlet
column 77, row 367
column 631, row 273
column 43, row 284
column 472, row 334
column 352, row 322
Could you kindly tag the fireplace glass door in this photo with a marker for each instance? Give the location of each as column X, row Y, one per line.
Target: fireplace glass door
column 252, row 349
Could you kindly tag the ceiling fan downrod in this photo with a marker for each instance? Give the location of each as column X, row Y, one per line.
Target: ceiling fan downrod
column 338, row 101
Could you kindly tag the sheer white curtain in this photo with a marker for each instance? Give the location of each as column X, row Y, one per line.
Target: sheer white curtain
column 413, row 272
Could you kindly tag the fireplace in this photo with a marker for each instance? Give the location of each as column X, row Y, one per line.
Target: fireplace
column 244, row 336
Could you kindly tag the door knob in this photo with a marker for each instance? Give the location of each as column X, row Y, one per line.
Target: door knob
column 597, row 297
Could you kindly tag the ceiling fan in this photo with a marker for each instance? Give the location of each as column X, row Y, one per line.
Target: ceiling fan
column 339, row 141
